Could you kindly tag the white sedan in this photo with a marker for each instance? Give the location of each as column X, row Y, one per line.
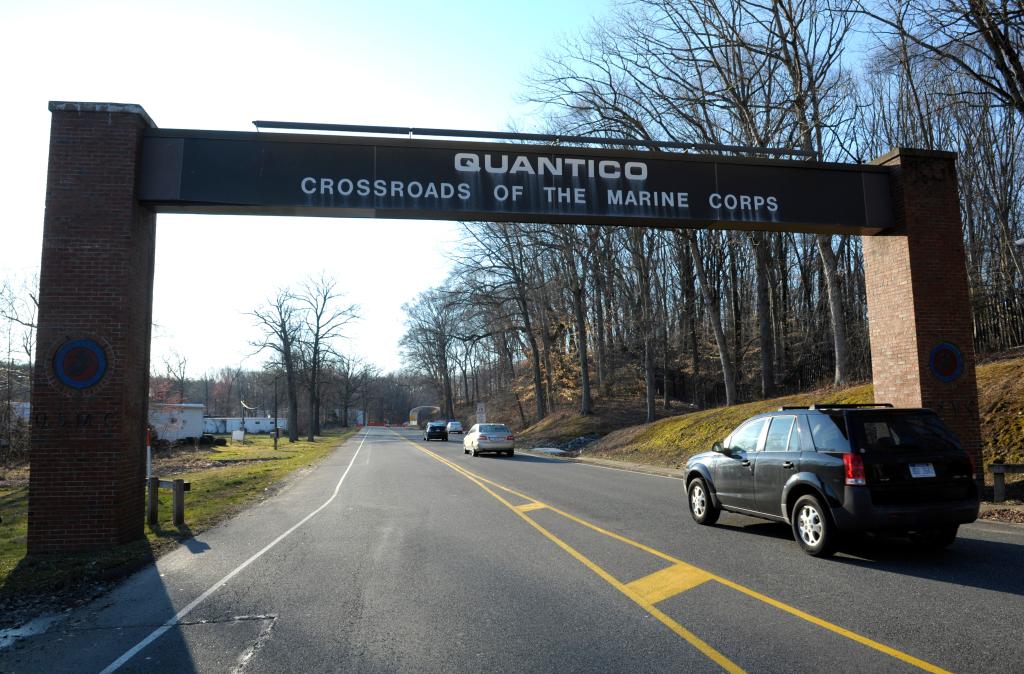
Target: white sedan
column 495, row 438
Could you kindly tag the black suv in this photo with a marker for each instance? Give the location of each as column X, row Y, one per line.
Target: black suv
column 436, row 429
column 827, row 469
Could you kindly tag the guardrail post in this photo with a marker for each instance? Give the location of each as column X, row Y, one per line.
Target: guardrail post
column 179, row 502
column 153, row 490
column 999, row 483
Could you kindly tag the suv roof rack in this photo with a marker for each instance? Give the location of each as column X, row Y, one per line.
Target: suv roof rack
column 833, row 406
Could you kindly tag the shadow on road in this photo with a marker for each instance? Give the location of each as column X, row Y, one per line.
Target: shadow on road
column 989, row 565
column 102, row 630
column 760, row 528
column 526, row 458
column 194, row 546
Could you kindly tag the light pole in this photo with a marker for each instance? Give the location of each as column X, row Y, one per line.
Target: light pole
column 277, row 375
column 244, row 408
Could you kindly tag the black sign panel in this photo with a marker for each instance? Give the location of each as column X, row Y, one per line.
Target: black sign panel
column 211, row 172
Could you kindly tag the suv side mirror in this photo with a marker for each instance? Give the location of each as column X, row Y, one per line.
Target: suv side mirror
column 718, row 448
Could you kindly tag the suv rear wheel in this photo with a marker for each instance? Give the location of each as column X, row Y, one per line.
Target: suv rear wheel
column 702, row 509
column 812, row 527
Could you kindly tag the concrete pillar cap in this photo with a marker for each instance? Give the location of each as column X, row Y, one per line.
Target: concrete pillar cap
column 78, row 106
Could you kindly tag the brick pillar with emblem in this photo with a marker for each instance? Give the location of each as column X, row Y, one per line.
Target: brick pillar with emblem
column 919, row 309
column 89, row 399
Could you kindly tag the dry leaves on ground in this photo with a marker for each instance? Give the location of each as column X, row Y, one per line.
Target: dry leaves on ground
column 1014, row 515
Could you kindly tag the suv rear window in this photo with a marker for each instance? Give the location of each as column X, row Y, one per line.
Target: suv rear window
column 493, row 428
column 777, row 439
column 894, row 432
column 828, row 432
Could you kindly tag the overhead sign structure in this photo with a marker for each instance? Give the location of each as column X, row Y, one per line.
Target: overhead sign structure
column 298, row 174
column 111, row 171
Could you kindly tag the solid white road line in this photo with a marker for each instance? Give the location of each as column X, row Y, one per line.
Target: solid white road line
column 171, row 622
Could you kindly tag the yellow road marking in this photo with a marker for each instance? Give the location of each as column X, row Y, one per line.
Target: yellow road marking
column 647, row 605
column 525, row 508
column 853, row 636
column 668, row 582
column 690, row 637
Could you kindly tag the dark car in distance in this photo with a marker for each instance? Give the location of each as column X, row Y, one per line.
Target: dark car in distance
column 829, row 469
column 436, row 430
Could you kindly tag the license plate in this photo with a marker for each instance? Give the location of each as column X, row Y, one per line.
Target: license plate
column 922, row 470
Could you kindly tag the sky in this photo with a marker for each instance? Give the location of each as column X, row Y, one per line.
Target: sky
column 221, row 65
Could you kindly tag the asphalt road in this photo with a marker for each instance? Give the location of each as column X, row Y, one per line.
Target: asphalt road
column 396, row 555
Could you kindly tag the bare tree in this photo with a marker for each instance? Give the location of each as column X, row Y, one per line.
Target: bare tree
column 346, row 373
column 324, row 319
column 175, row 366
column 575, row 259
column 503, row 257
column 430, row 336
column 640, row 243
column 808, row 38
column 711, row 302
column 980, row 39
column 19, row 305
column 281, row 324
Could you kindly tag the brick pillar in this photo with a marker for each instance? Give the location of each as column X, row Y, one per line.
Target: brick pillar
column 919, row 310
column 89, row 399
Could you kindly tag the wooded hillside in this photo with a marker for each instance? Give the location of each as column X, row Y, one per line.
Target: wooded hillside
column 710, row 317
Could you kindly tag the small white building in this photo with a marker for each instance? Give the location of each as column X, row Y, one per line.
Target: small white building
column 176, row 421
column 225, row 425
column 21, row 410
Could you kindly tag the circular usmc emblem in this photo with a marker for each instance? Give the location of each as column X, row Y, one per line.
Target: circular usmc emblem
column 946, row 362
column 80, row 364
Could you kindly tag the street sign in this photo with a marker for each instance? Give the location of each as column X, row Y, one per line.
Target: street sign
column 354, row 176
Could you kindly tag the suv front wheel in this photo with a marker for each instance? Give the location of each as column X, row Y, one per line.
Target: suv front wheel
column 702, row 509
column 812, row 527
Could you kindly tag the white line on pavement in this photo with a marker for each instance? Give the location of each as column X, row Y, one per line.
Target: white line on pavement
column 158, row 632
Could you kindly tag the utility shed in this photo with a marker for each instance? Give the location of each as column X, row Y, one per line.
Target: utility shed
column 176, row 421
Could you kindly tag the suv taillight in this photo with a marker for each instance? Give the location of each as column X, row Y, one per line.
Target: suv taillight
column 508, row 437
column 854, row 465
column 482, row 437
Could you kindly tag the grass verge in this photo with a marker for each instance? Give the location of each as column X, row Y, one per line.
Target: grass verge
column 230, row 479
column 671, row 441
